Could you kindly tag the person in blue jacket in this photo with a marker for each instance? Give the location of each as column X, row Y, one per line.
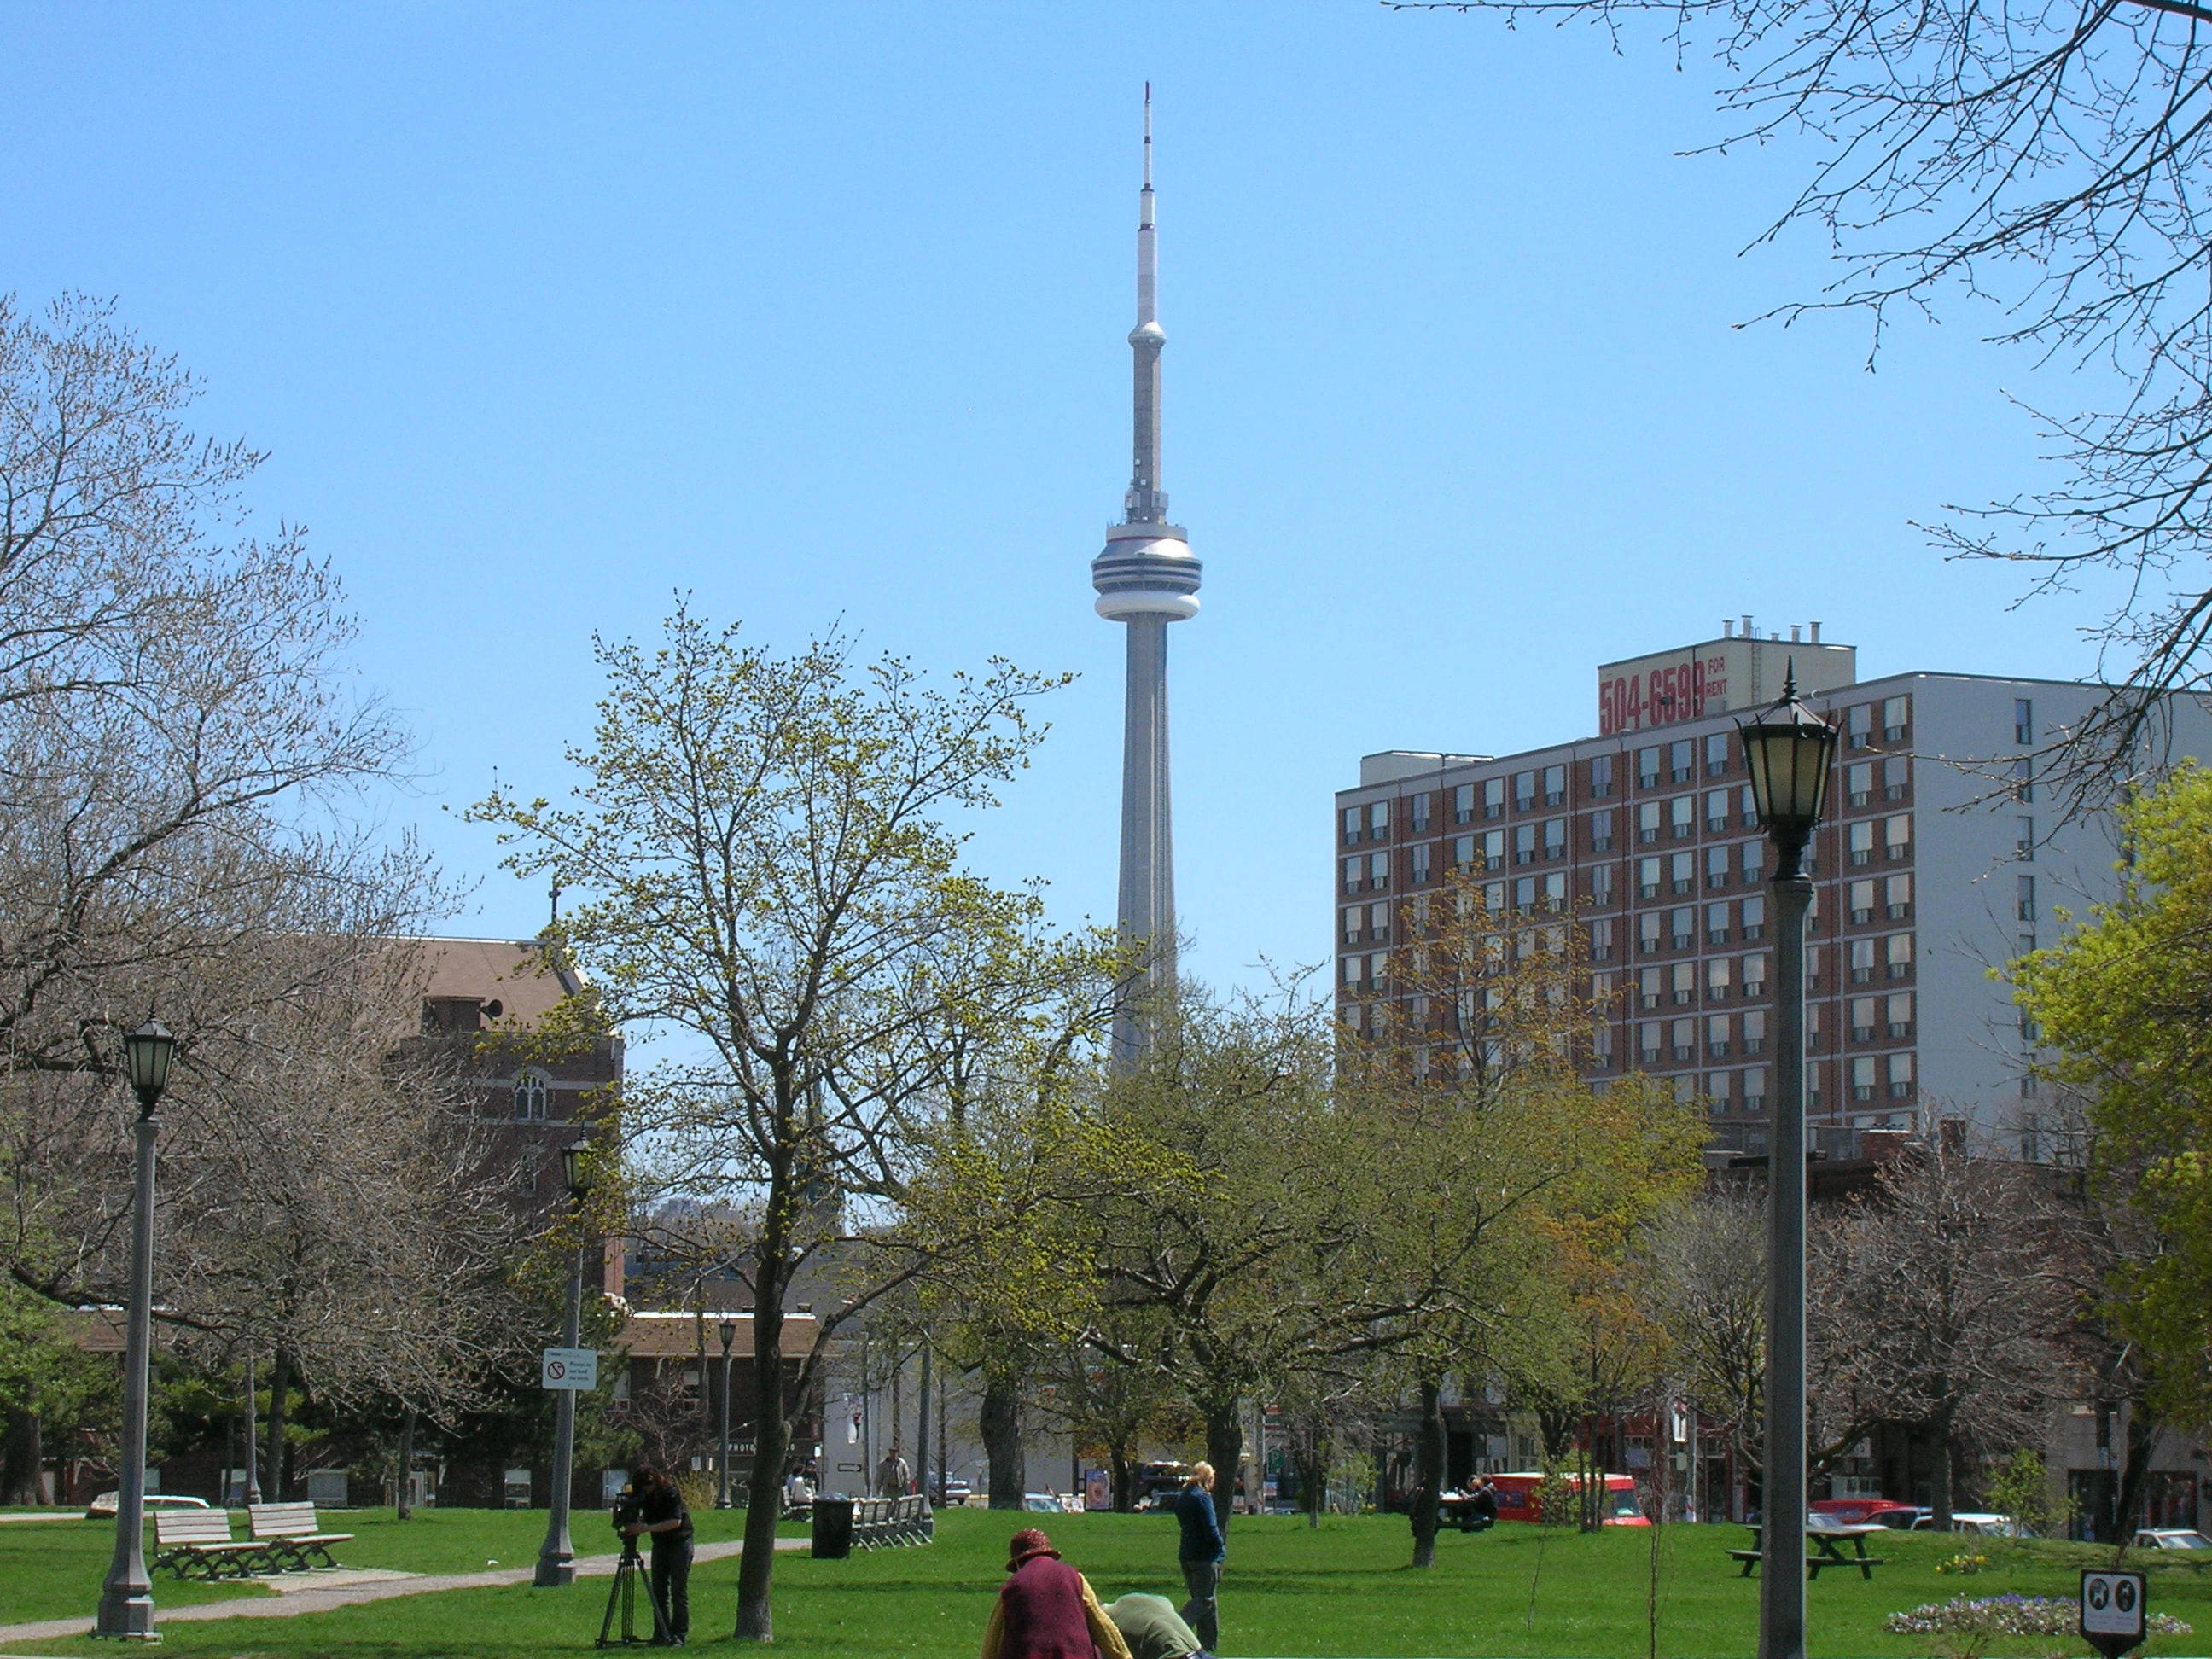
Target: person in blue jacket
column 1202, row 1551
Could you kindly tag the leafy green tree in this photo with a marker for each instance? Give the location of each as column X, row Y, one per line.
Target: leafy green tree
column 2126, row 1001
column 762, row 846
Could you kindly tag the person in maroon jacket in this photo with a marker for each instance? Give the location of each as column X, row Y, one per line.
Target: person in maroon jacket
column 1046, row 1609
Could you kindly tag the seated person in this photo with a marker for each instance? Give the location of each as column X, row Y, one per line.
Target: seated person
column 1153, row 1629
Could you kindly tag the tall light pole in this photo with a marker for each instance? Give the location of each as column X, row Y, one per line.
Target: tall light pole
column 1788, row 749
column 126, row 1595
column 556, row 1557
column 729, row 1335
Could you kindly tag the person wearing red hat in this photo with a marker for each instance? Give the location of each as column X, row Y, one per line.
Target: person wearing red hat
column 1046, row 1609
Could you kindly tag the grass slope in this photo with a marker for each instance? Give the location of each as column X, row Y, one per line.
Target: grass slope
column 1341, row 1592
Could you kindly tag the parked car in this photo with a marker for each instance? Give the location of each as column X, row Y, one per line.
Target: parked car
column 1046, row 1503
column 1518, row 1498
column 103, row 1507
column 2172, row 1538
column 1998, row 1525
column 1868, row 1511
column 954, row 1492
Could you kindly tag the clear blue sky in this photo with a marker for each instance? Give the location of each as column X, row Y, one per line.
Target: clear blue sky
column 546, row 311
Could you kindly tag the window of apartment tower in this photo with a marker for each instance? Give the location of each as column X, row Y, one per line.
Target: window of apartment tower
column 1897, row 955
column 1601, row 776
column 1647, row 768
column 1682, row 817
column 1897, row 835
column 531, row 1094
column 1896, row 777
column 1524, row 843
column 1600, row 829
column 1717, row 812
column 1858, row 901
column 1555, row 785
column 1649, row 988
column 1858, row 726
column 1860, row 842
column 1862, row 1019
column 1717, row 867
column 1647, row 879
column 1754, row 1031
column 1863, row 961
column 1555, row 838
column 1900, row 1077
column 1900, row 1016
column 1862, row 1077
column 2023, row 721
column 1717, row 755
column 1683, row 985
column 1858, row 783
column 1421, row 856
column 1647, row 932
column 1896, row 719
column 1682, row 873
column 1753, row 860
column 1754, row 1088
column 1681, row 927
column 1524, row 790
column 1600, row 884
column 1378, row 820
column 1463, row 804
column 1418, row 809
column 1897, row 896
column 1555, row 891
column 1647, row 822
column 1650, row 1036
column 1718, row 971
column 1682, row 1042
column 2024, row 900
column 1716, row 923
column 1355, row 924
column 1754, row 916
column 1493, row 849
column 1494, row 798
column 1600, row 939
column 1718, row 1086
column 1716, row 1036
column 1681, row 760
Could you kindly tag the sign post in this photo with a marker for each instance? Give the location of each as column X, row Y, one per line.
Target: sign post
column 2113, row 1617
column 569, row 1368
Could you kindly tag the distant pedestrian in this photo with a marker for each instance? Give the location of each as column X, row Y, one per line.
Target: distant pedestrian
column 1202, row 1550
column 1482, row 1504
column 1046, row 1609
column 894, row 1475
column 1153, row 1629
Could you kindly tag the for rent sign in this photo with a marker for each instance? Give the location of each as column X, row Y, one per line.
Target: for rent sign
column 1716, row 677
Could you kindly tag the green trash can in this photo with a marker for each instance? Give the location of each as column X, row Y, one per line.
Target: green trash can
column 833, row 1529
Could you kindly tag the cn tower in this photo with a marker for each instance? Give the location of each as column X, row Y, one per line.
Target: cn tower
column 1146, row 578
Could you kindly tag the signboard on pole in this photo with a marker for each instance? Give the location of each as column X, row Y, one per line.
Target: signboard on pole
column 2113, row 1616
column 569, row 1368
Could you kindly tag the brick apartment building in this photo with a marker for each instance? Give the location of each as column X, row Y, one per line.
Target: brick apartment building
column 1941, row 856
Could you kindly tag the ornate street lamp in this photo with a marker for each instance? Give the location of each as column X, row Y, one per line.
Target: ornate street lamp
column 1788, row 750
column 126, row 1595
column 729, row 1335
column 556, row 1557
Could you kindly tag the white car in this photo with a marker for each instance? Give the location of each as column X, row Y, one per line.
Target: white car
column 103, row 1507
column 2172, row 1538
column 2000, row 1526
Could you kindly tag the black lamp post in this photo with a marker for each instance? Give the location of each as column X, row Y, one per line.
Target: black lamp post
column 729, row 1335
column 126, row 1595
column 1788, row 750
column 556, row 1557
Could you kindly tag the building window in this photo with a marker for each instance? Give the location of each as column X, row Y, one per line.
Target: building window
column 1716, row 979
column 2023, row 846
column 1858, row 783
column 1419, row 809
column 1650, row 1037
column 1682, row 874
column 1862, row 958
column 1354, row 825
column 1494, row 798
column 1897, row 835
column 1897, row 955
column 1754, row 916
column 1462, row 853
column 1683, row 1049
column 1601, row 776
column 1647, row 768
column 1493, row 849
column 2024, row 898
column 1716, row 811
column 1862, row 1018
column 1600, row 884
column 1355, row 969
column 1754, row 974
column 1859, row 842
column 1378, row 820
column 1753, row 861
column 1858, row 726
column 1862, row 1077
column 1897, row 896
column 1717, row 1037
column 1649, row 988
column 1524, row 843
column 1555, row 838
column 1463, row 804
column 1900, row 1077
column 1422, row 853
column 2023, row 721
column 1379, row 923
column 1858, row 901
column 1355, row 875
column 1754, row 1031
column 1378, row 873
column 1647, row 822
column 1747, row 808
column 1524, row 893
column 1355, row 923
column 1896, row 777
column 1682, row 762
column 1600, row 939
column 1718, row 1085
column 1717, row 759
column 1555, row 785
column 1900, row 1016
column 1647, row 932
column 1682, row 817
column 1717, row 867
column 1716, row 923
column 1896, row 719
column 1647, row 879
column 1524, row 790
column 1755, row 1094
column 2023, row 779
column 1601, row 828
column 1681, row 932
column 532, row 1092
column 1555, row 891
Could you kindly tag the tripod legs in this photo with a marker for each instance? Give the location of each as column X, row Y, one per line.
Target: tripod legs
column 621, row 1600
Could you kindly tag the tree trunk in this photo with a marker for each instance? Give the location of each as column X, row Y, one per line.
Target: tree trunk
column 1224, row 1450
column 1316, row 1475
column 404, row 1509
column 2135, row 1472
column 1428, row 1475
column 1124, row 1468
column 1001, row 1422
column 771, row 1428
column 1939, row 1498
column 24, row 1461
column 280, row 1387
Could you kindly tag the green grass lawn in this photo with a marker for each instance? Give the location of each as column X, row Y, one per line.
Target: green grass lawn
column 1341, row 1592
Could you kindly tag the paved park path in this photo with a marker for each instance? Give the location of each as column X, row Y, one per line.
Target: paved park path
column 324, row 1591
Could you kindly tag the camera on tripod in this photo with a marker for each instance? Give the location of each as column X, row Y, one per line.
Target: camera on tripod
column 627, row 1510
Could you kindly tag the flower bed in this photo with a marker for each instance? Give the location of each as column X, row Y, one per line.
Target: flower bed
column 2007, row 1615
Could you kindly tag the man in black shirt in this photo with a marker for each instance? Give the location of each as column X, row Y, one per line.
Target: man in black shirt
column 663, row 1518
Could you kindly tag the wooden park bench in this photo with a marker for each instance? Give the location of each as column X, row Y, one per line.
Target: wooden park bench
column 292, row 1533
column 198, row 1544
column 1827, row 1550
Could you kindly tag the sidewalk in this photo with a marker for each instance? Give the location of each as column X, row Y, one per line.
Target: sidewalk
column 309, row 1596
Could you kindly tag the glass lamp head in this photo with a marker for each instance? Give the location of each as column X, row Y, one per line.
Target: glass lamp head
column 572, row 1166
column 147, row 1053
column 1788, row 750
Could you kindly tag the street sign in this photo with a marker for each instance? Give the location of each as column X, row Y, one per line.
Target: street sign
column 569, row 1368
column 2112, row 1612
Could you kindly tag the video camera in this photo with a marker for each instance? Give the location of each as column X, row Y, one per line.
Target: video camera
column 627, row 1511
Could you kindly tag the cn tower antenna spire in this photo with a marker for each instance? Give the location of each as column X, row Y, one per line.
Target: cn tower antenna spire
column 1146, row 578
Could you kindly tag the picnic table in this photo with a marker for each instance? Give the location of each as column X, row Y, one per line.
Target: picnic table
column 1827, row 1549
